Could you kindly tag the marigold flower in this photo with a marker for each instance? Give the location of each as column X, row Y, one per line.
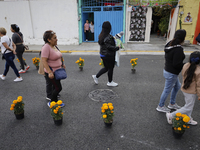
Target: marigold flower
column 188, row 127
column 111, row 107
column 102, row 107
column 11, row 108
column 183, row 115
column 53, row 104
column 135, row 63
column 55, row 111
column 136, row 58
column 105, row 107
column 104, row 116
column 110, row 104
column 15, row 102
column 57, row 108
column 179, row 128
column 186, row 119
column 112, row 111
column 103, row 110
column 105, row 104
column 184, row 126
column 178, row 114
column 19, row 99
column 59, row 102
column 12, row 105
column 100, row 64
column 177, row 118
column 62, row 113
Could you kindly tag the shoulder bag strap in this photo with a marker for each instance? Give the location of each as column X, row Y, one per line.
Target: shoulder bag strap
column 61, row 57
column 20, row 38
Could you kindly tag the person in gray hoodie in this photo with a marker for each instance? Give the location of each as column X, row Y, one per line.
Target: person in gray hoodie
column 174, row 57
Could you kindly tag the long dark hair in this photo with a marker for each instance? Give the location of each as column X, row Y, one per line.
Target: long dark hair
column 179, row 37
column 106, row 28
column 189, row 73
column 15, row 27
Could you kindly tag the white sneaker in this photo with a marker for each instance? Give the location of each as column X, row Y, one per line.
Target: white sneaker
column 3, row 78
column 18, row 79
column 163, row 109
column 95, row 79
column 192, row 122
column 112, row 84
column 22, row 71
column 169, row 118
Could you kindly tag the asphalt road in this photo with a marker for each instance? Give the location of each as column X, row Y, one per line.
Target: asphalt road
column 137, row 125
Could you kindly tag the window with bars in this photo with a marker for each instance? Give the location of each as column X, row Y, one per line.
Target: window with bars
column 88, row 3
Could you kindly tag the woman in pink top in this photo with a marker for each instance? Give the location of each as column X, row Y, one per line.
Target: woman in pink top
column 86, row 29
column 52, row 60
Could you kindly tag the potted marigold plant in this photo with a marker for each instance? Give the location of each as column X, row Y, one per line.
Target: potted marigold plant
column 18, row 107
column 179, row 124
column 36, row 62
column 133, row 64
column 80, row 63
column 107, row 112
column 101, row 63
column 57, row 112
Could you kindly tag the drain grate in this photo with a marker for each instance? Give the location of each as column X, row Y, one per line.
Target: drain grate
column 102, row 95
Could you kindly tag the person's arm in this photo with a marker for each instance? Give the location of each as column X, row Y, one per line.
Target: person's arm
column 111, row 47
column 46, row 66
column 178, row 58
column 6, row 46
column 14, row 47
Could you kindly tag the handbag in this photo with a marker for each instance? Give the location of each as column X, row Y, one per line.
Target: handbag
column 41, row 68
column 60, row 74
column 25, row 46
column 3, row 57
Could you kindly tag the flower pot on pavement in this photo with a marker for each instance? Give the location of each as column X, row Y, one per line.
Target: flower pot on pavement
column 58, row 122
column 19, row 116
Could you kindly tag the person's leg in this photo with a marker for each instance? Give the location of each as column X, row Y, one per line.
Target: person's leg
column 111, row 66
column 10, row 62
column 188, row 107
column 24, row 62
column 105, row 69
column 49, row 86
column 174, row 91
column 56, row 91
column 170, row 80
column 6, row 69
column 19, row 56
column 87, row 32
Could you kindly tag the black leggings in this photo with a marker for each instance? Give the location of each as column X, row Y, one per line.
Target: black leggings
column 109, row 64
column 57, row 87
column 20, row 51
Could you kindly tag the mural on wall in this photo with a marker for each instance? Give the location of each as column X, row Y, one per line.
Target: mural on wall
column 188, row 18
column 138, row 24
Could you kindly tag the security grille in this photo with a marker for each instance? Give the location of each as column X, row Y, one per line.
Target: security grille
column 88, row 3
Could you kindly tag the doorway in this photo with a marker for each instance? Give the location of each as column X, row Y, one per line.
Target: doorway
column 90, row 18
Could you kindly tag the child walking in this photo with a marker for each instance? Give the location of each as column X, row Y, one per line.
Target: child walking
column 190, row 87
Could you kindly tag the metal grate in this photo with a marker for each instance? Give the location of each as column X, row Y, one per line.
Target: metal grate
column 88, row 3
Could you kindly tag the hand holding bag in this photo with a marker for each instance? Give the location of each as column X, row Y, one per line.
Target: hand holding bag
column 60, row 74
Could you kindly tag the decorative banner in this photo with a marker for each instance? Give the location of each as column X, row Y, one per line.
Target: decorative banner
column 138, row 23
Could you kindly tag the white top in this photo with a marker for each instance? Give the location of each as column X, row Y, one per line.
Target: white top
column 8, row 41
column 92, row 28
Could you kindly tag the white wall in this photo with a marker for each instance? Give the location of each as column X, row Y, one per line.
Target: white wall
column 35, row 17
column 172, row 24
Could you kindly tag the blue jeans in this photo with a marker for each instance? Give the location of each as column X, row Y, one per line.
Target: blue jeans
column 9, row 57
column 172, row 84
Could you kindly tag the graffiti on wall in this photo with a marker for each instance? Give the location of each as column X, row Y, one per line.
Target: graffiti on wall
column 138, row 23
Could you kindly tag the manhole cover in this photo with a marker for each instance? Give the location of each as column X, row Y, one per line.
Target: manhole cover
column 102, row 95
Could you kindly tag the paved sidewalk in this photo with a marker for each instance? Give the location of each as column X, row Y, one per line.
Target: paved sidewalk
column 130, row 48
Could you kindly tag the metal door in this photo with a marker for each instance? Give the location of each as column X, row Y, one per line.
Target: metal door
column 114, row 17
